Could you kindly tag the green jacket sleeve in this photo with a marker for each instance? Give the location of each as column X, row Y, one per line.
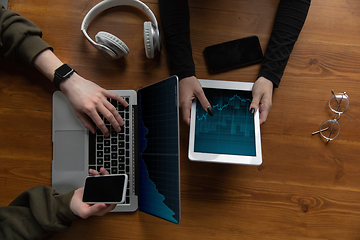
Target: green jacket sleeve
column 20, row 38
column 35, row 213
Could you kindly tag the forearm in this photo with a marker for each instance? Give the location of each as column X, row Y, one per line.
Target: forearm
column 175, row 19
column 47, row 62
column 289, row 20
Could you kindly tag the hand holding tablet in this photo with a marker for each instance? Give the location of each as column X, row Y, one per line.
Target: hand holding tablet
column 232, row 134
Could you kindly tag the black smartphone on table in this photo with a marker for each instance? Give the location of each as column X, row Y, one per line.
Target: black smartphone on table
column 108, row 189
column 233, row 54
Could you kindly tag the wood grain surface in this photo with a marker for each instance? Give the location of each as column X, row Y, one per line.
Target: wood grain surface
column 305, row 189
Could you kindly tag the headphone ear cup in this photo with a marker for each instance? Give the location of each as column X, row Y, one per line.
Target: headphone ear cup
column 151, row 39
column 109, row 41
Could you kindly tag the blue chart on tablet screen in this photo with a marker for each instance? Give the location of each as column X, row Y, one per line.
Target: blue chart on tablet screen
column 231, row 129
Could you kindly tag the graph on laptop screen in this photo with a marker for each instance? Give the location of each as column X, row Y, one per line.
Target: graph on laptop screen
column 159, row 192
column 231, row 129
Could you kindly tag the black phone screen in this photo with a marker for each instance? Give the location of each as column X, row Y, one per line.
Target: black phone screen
column 236, row 53
column 105, row 189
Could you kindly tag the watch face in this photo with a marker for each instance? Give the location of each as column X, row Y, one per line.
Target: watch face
column 64, row 70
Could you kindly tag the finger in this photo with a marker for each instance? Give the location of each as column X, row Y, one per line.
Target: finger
column 264, row 111
column 99, row 123
column 103, row 211
column 117, row 98
column 255, row 103
column 118, row 118
column 86, row 122
column 200, row 95
column 186, row 110
column 112, row 115
column 103, row 171
column 92, row 210
column 93, row 172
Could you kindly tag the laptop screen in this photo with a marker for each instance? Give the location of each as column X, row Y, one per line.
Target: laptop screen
column 159, row 168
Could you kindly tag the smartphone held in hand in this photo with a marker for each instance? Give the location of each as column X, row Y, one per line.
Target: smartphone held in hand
column 108, row 189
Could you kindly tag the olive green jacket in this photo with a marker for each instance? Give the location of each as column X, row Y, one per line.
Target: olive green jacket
column 20, row 38
column 40, row 210
column 35, row 213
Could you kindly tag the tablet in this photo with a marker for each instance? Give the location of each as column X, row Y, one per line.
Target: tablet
column 232, row 134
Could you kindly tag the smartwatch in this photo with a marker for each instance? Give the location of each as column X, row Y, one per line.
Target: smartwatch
column 63, row 72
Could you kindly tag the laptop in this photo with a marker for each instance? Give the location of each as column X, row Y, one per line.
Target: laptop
column 4, row 3
column 147, row 149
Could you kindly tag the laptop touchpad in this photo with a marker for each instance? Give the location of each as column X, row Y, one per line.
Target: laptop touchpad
column 69, row 150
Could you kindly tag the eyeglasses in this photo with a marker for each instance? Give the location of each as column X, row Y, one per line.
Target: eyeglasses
column 330, row 129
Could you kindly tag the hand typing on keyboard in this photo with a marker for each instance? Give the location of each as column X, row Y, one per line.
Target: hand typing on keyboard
column 89, row 99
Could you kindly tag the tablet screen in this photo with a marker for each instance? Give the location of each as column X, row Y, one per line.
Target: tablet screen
column 232, row 134
column 231, row 129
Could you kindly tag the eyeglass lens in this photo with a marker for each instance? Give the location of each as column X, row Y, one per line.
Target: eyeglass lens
column 339, row 102
column 330, row 129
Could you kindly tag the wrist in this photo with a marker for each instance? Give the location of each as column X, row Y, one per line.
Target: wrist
column 61, row 74
column 186, row 78
column 68, row 83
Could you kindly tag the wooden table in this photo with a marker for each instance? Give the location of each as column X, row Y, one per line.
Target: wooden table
column 305, row 189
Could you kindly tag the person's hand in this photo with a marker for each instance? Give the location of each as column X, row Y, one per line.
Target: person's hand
column 84, row 210
column 189, row 89
column 88, row 100
column 86, row 97
column 262, row 97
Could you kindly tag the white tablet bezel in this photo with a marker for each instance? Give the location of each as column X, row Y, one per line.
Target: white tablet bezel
column 225, row 158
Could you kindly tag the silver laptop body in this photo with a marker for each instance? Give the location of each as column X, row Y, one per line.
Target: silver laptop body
column 70, row 164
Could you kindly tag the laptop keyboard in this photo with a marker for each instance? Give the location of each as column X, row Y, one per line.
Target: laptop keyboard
column 112, row 152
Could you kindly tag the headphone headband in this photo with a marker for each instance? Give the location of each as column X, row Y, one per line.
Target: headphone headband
column 106, row 4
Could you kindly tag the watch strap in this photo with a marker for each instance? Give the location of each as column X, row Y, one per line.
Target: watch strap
column 61, row 73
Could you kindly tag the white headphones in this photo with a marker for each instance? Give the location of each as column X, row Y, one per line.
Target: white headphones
column 111, row 46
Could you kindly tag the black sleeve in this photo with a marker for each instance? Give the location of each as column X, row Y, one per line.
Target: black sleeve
column 175, row 20
column 289, row 20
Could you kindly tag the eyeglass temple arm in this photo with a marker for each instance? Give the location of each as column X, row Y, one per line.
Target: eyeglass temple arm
column 322, row 130
column 332, row 91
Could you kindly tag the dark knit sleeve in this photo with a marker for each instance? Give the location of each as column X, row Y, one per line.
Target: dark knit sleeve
column 35, row 213
column 289, row 20
column 175, row 20
column 20, row 38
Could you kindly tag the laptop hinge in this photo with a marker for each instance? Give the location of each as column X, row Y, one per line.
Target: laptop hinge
column 135, row 149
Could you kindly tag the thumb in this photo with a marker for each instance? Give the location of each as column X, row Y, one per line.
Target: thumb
column 204, row 102
column 96, row 209
column 254, row 106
